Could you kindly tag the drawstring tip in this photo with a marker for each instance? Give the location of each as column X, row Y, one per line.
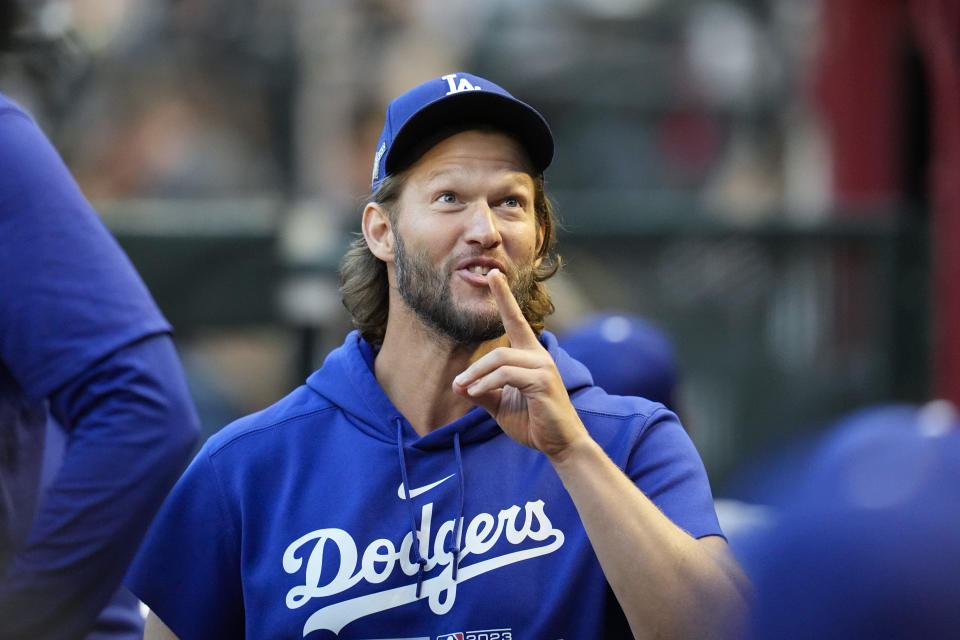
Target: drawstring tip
column 419, row 581
column 456, row 563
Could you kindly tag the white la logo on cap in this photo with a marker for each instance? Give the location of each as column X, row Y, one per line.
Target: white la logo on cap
column 464, row 84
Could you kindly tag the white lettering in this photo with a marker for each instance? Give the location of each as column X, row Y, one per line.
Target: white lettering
column 476, row 540
column 463, row 85
column 407, row 565
column 534, row 511
column 440, row 553
column 373, row 555
column 298, row 596
column 423, row 535
column 380, row 558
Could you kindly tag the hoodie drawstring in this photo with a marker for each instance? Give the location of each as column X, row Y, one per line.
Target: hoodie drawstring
column 409, row 499
column 454, row 545
column 451, row 547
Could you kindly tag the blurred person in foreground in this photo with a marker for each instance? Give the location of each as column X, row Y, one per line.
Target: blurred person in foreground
column 82, row 344
column 863, row 543
column 449, row 472
column 626, row 355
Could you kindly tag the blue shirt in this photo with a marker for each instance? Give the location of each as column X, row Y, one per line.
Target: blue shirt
column 326, row 515
column 81, row 340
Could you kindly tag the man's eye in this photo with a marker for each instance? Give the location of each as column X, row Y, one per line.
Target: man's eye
column 512, row 202
column 447, row 198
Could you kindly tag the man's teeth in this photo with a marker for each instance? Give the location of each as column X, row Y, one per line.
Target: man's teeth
column 479, row 269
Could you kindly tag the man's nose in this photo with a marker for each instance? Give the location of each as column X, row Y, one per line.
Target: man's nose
column 482, row 226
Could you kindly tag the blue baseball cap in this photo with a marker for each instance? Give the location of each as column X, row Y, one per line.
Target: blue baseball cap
column 444, row 104
column 626, row 355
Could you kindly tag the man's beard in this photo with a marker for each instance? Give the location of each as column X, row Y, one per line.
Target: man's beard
column 426, row 291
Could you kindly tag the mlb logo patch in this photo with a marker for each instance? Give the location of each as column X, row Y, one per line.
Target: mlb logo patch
column 451, row 636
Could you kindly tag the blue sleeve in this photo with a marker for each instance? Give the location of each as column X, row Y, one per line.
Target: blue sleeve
column 79, row 333
column 132, row 427
column 68, row 294
column 668, row 469
column 188, row 568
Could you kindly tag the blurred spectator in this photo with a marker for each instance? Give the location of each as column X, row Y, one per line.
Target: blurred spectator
column 626, row 356
column 865, row 543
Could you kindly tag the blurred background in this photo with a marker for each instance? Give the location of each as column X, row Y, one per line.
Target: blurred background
column 767, row 181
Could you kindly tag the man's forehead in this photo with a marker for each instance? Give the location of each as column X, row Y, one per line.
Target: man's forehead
column 511, row 176
column 473, row 150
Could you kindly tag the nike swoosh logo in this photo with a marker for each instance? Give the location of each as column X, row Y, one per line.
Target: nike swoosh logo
column 415, row 492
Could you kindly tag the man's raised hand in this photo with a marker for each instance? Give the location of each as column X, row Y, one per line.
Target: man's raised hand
column 519, row 385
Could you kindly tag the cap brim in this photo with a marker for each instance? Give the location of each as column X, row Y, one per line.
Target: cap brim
column 473, row 108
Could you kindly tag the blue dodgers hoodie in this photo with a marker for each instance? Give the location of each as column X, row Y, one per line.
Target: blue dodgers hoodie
column 326, row 515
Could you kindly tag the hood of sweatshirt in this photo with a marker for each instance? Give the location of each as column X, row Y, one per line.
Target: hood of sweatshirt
column 346, row 380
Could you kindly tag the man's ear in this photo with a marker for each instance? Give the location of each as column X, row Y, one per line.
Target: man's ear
column 378, row 231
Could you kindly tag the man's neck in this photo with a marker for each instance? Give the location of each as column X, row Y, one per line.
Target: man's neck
column 416, row 368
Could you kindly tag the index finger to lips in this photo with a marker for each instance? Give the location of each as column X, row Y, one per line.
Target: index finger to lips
column 514, row 323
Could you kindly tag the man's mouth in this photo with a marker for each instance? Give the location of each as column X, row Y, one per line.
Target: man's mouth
column 479, row 266
column 476, row 268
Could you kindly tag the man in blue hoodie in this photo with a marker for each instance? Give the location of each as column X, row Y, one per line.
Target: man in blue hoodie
column 449, row 472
